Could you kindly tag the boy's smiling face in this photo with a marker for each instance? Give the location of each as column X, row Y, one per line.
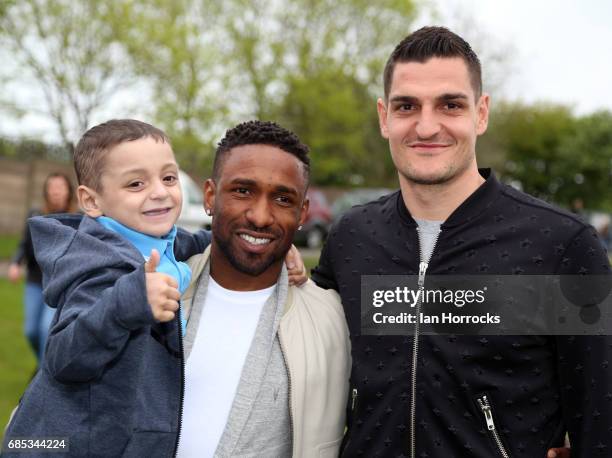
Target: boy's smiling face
column 139, row 187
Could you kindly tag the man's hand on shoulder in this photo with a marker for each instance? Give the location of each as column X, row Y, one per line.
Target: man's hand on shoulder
column 162, row 290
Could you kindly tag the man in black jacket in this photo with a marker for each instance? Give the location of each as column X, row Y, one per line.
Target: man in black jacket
column 461, row 395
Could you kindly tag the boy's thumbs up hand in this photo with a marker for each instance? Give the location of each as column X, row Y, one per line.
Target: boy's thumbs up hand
column 152, row 262
column 162, row 290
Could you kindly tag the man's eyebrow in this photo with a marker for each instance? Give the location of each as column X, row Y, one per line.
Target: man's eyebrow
column 277, row 188
column 244, row 182
column 403, row 99
column 452, row 96
column 443, row 98
column 286, row 190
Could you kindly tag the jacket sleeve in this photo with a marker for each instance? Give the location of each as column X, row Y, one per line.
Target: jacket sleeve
column 584, row 363
column 323, row 274
column 188, row 244
column 24, row 248
column 98, row 313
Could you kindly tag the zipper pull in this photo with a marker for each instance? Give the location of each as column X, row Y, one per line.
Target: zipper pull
column 422, row 269
column 486, row 410
column 353, row 398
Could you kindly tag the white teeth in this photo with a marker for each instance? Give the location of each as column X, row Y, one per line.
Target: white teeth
column 253, row 240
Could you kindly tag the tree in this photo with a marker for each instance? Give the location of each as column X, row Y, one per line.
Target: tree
column 584, row 167
column 216, row 63
column 552, row 153
column 336, row 116
column 530, row 137
column 315, row 66
column 275, row 42
column 173, row 46
column 67, row 50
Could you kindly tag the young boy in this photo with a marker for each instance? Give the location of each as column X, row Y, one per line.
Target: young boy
column 112, row 380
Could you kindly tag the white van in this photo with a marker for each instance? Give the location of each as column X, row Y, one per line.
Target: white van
column 193, row 216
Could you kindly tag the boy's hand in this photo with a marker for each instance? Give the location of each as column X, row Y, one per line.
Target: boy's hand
column 14, row 273
column 162, row 290
column 295, row 267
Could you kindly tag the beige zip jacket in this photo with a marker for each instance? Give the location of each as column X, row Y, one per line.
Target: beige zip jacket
column 315, row 342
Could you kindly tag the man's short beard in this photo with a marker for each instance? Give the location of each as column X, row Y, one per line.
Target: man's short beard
column 448, row 175
column 426, row 181
column 254, row 268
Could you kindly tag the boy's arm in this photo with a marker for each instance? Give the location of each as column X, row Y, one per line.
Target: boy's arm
column 188, row 244
column 95, row 322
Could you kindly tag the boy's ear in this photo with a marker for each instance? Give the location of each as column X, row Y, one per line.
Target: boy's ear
column 88, row 201
column 209, row 195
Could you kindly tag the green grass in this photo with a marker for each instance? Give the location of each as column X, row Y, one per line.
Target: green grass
column 8, row 245
column 310, row 262
column 16, row 359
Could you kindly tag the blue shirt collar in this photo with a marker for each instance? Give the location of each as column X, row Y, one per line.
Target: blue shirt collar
column 143, row 242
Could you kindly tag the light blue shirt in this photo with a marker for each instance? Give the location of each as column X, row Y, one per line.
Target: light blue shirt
column 165, row 247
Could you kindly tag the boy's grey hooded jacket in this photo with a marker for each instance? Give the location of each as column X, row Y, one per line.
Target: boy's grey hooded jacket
column 109, row 381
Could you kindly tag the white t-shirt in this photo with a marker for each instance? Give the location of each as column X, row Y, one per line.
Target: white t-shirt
column 225, row 331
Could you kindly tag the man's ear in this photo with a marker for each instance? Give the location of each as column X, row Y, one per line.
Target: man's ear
column 382, row 117
column 210, row 189
column 304, row 210
column 483, row 114
column 88, row 201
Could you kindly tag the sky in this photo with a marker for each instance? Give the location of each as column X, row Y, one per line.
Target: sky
column 556, row 51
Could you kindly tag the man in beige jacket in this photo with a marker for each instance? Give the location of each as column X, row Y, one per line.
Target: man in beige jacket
column 267, row 364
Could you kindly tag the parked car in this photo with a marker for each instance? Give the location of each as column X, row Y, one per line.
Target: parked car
column 319, row 217
column 193, row 217
column 356, row 197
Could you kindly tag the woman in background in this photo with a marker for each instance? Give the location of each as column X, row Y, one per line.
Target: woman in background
column 58, row 198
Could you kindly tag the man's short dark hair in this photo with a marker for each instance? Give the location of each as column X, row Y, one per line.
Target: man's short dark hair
column 428, row 42
column 93, row 146
column 261, row 133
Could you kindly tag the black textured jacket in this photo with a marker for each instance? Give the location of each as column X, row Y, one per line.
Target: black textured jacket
column 537, row 387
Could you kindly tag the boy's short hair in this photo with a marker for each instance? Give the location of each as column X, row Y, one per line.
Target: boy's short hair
column 433, row 41
column 261, row 133
column 99, row 140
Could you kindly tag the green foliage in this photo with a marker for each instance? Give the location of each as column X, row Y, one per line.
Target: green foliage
column 552, row 153
column 336, row 116
column 30, row 149
column 8, row 246
column 171, row 45
column 211, row 65
column 584, row 166
column 68, row 51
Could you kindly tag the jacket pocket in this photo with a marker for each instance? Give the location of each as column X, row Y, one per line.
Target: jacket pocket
column 484, row 406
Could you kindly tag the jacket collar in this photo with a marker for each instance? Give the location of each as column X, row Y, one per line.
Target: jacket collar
column 144, row 243
column 470, row 209
column 199, row 262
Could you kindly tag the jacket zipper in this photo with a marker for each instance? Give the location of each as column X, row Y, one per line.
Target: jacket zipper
column 423, row 265
column 483, row 402
column 354, row 395
column 283, row 351
column 182, row 395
